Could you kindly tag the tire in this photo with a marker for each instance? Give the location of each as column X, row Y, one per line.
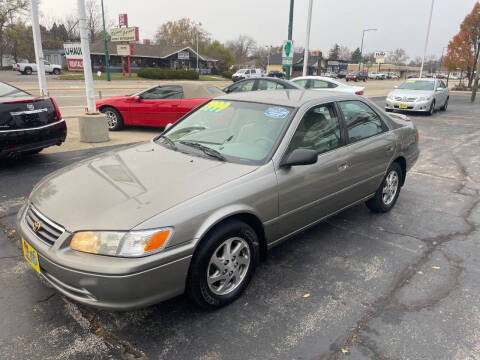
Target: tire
column 201, row 285
column 114, row 118
column 32, row 152
column 445, row 106
column 380, row 203
column 432, row 109
column 27, row 71
column 56, row 71
column 388, row 110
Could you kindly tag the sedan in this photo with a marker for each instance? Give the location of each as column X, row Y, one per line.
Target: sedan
column 196, row 209
column 157, row 106
column 356, row 76
column 28, row 123
column 266, row 83
column 424, row 95
column 324, row 83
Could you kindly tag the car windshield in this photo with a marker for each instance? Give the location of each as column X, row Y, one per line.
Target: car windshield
column 7, row 90
column 241, row 71
column 237, row 131
column 417, row 85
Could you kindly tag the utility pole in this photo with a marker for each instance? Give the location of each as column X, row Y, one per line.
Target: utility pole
column 37, row 42
column 426, row 38
column 307, row 41
column 87, row 66
column 268, row 57
column 107, row 64
column 361, row 47
column 290, row 26
column 475, row 83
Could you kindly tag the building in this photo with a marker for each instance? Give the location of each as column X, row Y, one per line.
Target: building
column 56, row 57
column 163, row 56
column 314, row 64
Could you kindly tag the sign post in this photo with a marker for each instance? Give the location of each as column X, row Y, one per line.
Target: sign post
column 380, row 58
column 287, row 55
column 290, row 27
column 87, row 66
column 107, row 64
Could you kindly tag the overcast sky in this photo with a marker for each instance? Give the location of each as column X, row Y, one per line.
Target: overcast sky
column 400, row 23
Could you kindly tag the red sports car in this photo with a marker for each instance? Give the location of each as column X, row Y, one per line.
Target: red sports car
column 157, row 106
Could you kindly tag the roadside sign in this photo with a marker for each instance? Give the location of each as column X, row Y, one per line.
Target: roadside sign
column 125, row 49
column 287, row 52
column 123, row 20
column 184, row 55
column 74, row 56
column 380, row 60
column 380, row 54
column 124, row 34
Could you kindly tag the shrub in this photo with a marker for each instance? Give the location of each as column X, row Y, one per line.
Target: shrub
column 227, row 74
column 158, row 73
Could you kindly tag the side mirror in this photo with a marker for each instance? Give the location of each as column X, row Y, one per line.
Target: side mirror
column 137, row 98
column 169, row 125
column 226, row 90
column 300, row 157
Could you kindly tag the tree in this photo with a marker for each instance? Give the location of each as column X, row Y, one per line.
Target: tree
column 397, row 57
column 334, row 52
column 9, row 10
column 218, row 51
column 356, row 56
column 181, row 32
column 242, row 47
column 19, row 42
column 459, row 53
column 344, row 53
column 471, row 27
column 94, row 19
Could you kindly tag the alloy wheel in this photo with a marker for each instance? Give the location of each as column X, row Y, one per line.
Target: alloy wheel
column 111, row 119
column 228, row 266
column 390, row 187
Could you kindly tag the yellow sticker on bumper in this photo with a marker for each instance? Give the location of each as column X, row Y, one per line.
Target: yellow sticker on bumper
column 30, row 255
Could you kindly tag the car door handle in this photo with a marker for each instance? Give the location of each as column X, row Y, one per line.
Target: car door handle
column 343, row 166
column 389, row 148
column 175, row 105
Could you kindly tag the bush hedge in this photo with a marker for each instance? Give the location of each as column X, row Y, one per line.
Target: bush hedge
column 158, row 73
column 227, row 74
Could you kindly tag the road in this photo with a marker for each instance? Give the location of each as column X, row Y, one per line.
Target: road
column 402, row 285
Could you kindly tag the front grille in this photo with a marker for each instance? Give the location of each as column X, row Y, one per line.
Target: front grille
column 406, row 99
column 48, row 231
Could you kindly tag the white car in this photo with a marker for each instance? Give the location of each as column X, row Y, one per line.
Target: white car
column 376, row 76
column 28, row 68
column 325, row 83
column 247, row 74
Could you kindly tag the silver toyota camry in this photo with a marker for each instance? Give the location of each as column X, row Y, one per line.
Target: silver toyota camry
column 425, row 95
column 196, row 209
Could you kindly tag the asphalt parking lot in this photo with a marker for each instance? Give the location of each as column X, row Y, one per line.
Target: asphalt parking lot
column 402, row 285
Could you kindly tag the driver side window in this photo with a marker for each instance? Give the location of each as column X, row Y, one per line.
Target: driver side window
column 319, row 130
column 163, row 92
column 242, row 86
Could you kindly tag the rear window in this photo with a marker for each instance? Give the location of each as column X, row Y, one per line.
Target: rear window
column 10, row 91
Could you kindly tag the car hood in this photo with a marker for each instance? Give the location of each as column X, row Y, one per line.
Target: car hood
column 105, row 100
column 410, row 93
column 121, row 189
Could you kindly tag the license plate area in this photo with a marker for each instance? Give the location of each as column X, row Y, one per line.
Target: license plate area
column 30, row 255
column 403, row 106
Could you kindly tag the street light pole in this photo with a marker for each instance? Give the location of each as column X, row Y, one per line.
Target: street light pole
column 361, row 47
column 475, row 83
column 426, row 38
column 268, row 57
column 37, row 43
column 290, row 26
column 307, row 41
column 107, row 64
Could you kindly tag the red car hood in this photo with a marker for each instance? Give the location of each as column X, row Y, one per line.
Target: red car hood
column 109, row 99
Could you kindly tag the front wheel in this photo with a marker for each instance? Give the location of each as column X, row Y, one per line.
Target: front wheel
column 56, row 71
column 114, row 118
column 27, row 71
column 445, row 106
column 387, row 194
column 223, row 265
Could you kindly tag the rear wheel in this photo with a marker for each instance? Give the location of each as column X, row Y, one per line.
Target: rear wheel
column 114, row 118
column 56, row 71
column 387, row 194
column 32, row 152
column 27, row 71
column 223, row 265
column 445, row 106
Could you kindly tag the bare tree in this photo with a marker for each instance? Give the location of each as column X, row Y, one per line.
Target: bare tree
column 94, row 19
column 397, row 57
column 182, row 32
column 344, row 53
column 9, row 10
column 242, row 47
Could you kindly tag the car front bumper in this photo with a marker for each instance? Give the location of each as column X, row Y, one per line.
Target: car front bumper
column 119, row 289
column 411, row 106
column 21, row 140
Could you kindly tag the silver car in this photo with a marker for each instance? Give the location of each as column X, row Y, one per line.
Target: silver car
column 425, row 95
column 195, row 209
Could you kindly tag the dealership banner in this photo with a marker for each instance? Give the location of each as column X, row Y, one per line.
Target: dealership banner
column 73, row 53
column 124, row 34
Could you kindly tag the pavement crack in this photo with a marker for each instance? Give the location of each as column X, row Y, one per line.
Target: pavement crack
column 47, row 298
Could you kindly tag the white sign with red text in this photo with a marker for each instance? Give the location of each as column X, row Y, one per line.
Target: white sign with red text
column 73, row 53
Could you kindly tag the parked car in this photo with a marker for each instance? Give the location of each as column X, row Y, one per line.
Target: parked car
column 376, row 75
column 277, row 74
column 341, row 74
column 267, row 83
column 247, row 74
column 195, row 209
column 322, row 83
column 28, row 68
column 330, row 75
column 356, row 76
column 425, row 95
column 392, row 76
column 28, row 123
column 157, row 106
column 413, row 76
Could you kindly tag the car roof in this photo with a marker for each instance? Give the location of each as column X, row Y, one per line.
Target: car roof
column 269, row 78
column 324, row 78
column 290, row 97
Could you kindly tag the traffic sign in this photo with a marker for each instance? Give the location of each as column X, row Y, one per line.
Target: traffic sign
column 287, row 52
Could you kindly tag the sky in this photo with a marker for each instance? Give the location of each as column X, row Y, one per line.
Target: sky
column 400, row 23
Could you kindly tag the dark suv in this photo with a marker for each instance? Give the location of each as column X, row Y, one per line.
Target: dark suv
column 357, row 76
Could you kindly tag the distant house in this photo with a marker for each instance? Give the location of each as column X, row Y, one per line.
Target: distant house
column 164, row 56
column 56, row 57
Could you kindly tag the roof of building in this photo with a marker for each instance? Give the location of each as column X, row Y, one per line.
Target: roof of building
column 151, row 51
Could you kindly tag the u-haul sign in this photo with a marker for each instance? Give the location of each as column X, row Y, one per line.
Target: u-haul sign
column 73, row 53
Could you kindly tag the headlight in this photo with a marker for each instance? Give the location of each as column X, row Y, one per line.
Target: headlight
column 119, row 243
column 390, row 97
column 423, row 98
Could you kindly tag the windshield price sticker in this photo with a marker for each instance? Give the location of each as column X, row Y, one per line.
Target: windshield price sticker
column 411, row 81
column 215, row 106
column 277, row 112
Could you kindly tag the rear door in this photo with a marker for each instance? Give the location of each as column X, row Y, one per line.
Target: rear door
column 370, row 147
